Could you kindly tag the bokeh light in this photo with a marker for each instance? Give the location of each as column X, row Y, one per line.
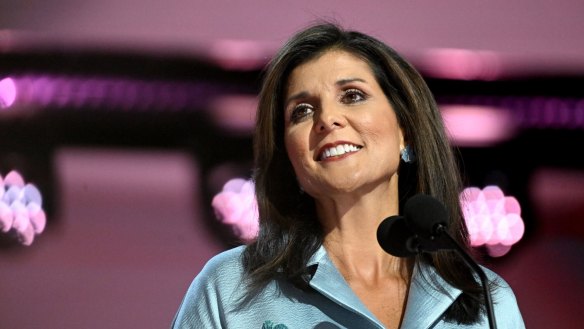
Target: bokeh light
column 493, row 220
column 21, row 212
column 7, row 93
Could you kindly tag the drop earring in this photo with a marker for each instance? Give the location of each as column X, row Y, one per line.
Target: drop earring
column 407, row 154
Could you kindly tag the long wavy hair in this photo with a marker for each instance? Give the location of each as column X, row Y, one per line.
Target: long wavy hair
column 290, row 232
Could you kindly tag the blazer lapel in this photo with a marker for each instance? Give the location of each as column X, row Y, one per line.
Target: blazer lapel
column 329, row 282
column 429, row 297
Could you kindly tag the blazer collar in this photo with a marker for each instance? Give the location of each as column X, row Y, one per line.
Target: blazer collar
column 329, row 282
column 428, row 298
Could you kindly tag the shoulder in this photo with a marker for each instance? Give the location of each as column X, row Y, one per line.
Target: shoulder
column 224, row 266
column 215, row 289
column 504, row 301
column 500, row 289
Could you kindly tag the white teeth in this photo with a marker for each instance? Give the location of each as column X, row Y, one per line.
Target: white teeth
column 339, row 150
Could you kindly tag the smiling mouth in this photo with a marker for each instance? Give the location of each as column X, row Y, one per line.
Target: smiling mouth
column 338, row 150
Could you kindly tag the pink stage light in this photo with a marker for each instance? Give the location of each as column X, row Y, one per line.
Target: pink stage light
column 239, row 54
column 461, row 64
column 236, row 206
column 7, row 93
column 21, row 212
column 107, row 93
column 234, row 113
column 493, row 220
column 473, row 125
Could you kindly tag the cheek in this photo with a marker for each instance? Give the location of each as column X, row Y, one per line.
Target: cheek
column 385, row 133
column 295, row 148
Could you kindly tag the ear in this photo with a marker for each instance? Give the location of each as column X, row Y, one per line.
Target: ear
column 402, row 140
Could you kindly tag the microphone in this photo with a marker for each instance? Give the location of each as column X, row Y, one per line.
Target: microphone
column 427, row 218
column 396, row 238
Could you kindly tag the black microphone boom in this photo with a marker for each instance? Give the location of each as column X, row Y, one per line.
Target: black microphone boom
column 479, row 271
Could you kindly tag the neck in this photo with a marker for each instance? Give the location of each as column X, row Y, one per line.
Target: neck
column 350, row 227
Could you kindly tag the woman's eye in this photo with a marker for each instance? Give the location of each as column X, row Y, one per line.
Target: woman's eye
column 300, row 112
column 351, row 96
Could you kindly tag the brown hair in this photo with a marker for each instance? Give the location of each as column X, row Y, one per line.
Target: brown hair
column 290, row 233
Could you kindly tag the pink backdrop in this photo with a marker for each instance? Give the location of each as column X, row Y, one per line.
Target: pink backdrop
column 131, row 231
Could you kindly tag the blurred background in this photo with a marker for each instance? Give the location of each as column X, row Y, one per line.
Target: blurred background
column 129, row 116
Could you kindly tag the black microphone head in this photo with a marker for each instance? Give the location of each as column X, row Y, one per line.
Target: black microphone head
column 395, row 237
column 424, row 214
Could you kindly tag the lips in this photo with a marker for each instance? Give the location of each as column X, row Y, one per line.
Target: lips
column 337, row 149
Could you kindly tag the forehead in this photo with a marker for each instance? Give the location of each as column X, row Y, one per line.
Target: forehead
column 330, row 67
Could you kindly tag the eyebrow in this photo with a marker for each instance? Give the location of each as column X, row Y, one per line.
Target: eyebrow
column 343, row 82
column 304, row 94
column 300, row 95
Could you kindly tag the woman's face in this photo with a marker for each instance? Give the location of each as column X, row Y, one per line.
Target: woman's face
column 341, row 132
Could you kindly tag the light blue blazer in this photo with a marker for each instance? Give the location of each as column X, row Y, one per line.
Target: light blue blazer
column 214, row 300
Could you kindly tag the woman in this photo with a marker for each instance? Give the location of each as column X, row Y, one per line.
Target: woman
column 337, row 112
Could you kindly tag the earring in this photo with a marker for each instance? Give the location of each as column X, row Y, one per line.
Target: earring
column 407, row 154
column 300, row 189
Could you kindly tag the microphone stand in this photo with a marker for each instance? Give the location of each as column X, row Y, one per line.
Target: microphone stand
column 441, row 230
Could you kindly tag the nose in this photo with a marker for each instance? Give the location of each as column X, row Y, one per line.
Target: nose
column 329, row 118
